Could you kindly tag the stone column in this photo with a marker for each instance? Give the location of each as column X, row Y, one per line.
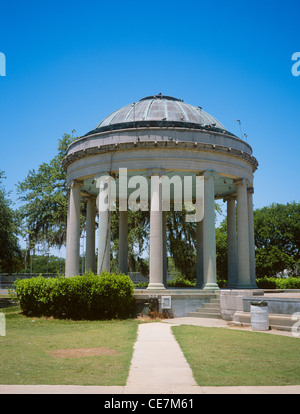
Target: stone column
column 123, row 242
column 90, row 233
column 156, row 239
column 199, row 250
column 73, row 230
column 164, row 241
column 231, row 243
column 104, row 224
column 243, row 261
column 251, row 238
column 209, row 236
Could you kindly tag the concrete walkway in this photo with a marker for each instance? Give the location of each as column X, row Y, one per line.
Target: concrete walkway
column 220, row 323
column 158, row 366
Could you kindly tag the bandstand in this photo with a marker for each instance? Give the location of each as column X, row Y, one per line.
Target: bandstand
column 161, row 136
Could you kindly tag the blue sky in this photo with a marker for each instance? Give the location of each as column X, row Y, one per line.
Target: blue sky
column 69, row 64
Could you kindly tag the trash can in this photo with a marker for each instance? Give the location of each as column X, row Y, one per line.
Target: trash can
column 259, row 316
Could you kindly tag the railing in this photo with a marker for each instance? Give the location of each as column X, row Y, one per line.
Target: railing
column 7, row 279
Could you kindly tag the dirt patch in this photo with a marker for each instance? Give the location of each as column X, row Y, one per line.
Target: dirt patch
column 143, row 318
column 81, row 352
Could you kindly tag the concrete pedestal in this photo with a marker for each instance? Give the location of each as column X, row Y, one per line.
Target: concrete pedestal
column 231, row 300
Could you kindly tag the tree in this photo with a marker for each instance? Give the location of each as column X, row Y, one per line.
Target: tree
column 10, row 251
column 181, row 236
column 221, row 250
column 46, row 263
column 138, row 240
column 277, row 239
column 44, row 192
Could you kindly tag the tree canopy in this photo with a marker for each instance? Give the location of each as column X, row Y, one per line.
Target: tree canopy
column 44, row 194
column 10, row 251
column 277, row 239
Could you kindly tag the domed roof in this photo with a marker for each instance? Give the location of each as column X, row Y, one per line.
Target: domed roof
column 159, row 111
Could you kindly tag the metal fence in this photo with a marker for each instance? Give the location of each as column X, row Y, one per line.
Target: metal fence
column 7, row 279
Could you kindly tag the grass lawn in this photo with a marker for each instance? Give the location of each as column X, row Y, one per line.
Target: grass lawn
column 225, row 357
column 52, row 351
column 29, row 351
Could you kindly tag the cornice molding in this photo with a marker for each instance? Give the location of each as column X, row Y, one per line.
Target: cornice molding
column 170, row 145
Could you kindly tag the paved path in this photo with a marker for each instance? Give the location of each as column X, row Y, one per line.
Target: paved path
column 158, row 364
column 220, row 323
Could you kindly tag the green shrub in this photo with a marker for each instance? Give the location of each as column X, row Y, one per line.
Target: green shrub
column 181, row 282
column 278, row 283
column 90, row 296
column 177, row 282
column 141, row 285
column 266, row 283
column 262, row 283
column 288, row 283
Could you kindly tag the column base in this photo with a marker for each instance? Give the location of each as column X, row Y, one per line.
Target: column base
column 156, row 286
column 241, row 286
column 211, row 286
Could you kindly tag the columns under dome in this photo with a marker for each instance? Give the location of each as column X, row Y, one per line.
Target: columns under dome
column 240, row 238
column 174, row 139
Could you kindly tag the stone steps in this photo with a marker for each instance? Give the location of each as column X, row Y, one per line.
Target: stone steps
column 209, row 306
column 210, row 310
column 283, row 322
column 215, row 300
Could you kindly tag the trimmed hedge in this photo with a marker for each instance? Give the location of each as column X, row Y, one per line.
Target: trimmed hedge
column 262, row 283
column 181, row 282
column 278, row 283
column 104, row 296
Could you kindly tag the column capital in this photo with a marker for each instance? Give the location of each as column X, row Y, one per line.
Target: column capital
column 240, row 181
column 156, row 171
column 208, row 173
column 73, row 183
column 89, row 197
column 103, row 177
column 230, row 197
column 250, row 190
